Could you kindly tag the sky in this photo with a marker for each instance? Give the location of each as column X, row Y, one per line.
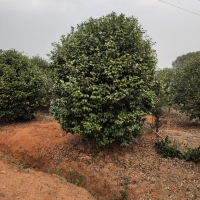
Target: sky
column 31, row 26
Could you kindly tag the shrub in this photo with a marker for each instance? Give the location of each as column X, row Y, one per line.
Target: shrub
column 192, row 154
column 21, row 86
column 159, row 111
column 166, row 149
column 104, row 72
column 159, row 114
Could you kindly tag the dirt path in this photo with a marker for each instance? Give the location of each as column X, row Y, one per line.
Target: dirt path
column 103, row 173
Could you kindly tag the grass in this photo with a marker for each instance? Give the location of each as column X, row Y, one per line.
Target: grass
column 11, row 160
column 22, row 166
column 71, row 176
column 74, row 177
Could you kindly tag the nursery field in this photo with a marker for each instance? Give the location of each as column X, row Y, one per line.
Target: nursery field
column 39, row 161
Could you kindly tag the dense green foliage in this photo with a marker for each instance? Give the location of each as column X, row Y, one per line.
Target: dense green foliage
column 185, row 85
column 182, row 60
column 47, row 74
column 181, row 84
column 104, row 72
column 21, row 86
column 41, row 63
column 165, row 148
column 164, row 77
column 192, row 155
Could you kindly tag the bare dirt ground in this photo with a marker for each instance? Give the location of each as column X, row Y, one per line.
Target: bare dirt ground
column 47, row 150
column 28, row 184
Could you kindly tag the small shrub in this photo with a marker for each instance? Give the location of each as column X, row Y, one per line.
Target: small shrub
column 74, row 177
column 159, row 116
column 192, row 154
column 166, row 149
column 159, row 111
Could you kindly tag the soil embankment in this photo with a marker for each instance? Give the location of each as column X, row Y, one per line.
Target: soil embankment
column 41, row 145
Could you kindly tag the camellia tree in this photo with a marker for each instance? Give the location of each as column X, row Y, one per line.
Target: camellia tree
column 103, row 85
column 43, row 66
column 22, row 88
column 41, row 63
column 182, row 60
column 185, row 85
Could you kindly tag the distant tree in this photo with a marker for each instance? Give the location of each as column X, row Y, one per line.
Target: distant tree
column 158, row 111
column 44, row 66
column 186, row 85
column 41, row 63
column 182, row 60
column 164, row 77
column 104, row 79
column 21, row 86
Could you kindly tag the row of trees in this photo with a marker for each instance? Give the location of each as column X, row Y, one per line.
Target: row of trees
column 181, row 84
column 101, row 81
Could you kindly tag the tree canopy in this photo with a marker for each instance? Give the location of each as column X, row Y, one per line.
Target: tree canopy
column 182, row 60
column 185, row 85
column 21, row 86
column 104, row 71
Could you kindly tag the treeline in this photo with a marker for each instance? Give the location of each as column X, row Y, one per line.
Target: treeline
column 180, row 85
column 101, row 82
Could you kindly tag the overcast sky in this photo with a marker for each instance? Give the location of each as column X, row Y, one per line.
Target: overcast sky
column 30, row 26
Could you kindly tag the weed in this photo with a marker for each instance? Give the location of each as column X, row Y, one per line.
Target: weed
column 74, row 177
column 11, row 160
column 57, row 172
column 124, row 193
column 69, row 171
column 8, row 158
column 22, row 166
column 159, row 114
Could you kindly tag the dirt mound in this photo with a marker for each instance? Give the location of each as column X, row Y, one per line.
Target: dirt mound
column 28, row 184
column 136, row 170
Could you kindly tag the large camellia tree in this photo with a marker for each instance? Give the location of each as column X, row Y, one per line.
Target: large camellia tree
column 103, row 79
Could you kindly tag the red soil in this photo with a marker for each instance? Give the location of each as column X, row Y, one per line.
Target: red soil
column 42, row 145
